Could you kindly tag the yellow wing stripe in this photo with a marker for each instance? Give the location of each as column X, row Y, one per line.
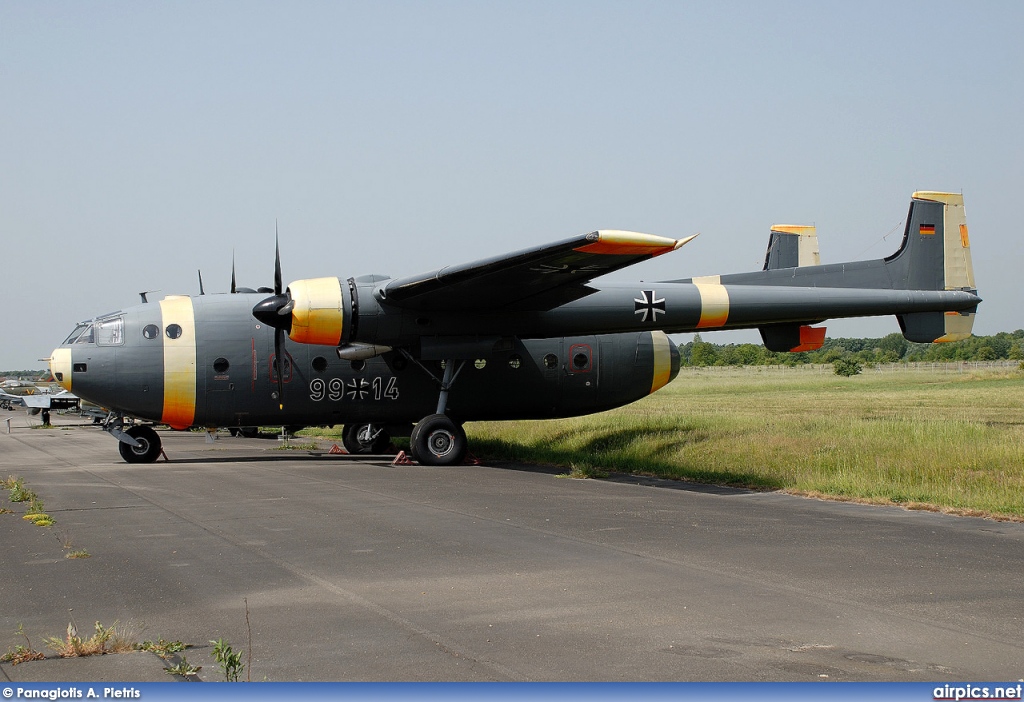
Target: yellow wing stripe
column 179, row 362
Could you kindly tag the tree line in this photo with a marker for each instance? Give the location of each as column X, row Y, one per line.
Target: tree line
column 889, row 349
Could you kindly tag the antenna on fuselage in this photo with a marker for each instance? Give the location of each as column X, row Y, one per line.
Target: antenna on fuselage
column 201, row 291
column 143, row 295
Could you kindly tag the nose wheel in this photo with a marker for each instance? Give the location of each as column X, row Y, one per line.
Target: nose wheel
column 148, row 449
column 365, row 438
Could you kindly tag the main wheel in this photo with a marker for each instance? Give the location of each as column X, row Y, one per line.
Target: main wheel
column 438, row 441
column 365, row 438
column 148, row 449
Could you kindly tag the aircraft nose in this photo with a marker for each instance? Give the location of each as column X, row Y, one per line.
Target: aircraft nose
column 60, row 367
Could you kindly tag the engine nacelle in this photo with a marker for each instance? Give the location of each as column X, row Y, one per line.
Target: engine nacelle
column 319, row 310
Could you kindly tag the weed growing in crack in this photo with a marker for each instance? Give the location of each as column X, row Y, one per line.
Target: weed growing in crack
column 18, row 653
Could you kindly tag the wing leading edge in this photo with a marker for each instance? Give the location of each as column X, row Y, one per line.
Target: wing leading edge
column 517, row 279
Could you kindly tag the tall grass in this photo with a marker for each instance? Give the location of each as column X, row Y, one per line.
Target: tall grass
column 947, row 440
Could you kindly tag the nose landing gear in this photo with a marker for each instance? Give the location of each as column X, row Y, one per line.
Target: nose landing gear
column 365, row 438
column 147, row 448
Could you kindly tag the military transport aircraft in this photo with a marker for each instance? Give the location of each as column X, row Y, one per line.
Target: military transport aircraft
column 522, row 335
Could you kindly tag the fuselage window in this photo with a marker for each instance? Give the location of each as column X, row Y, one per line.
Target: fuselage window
column 151, row 331
column 551, row 361
column 173, row 331
column 514, row 361
column 358, row 365
column 221, row 365
column 110, row 332
column 480, row 363
column 319, row 364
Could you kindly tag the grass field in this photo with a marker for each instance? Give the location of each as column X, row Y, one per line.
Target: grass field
column 933, row 440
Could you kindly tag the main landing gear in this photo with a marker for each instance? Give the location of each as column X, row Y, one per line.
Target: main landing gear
column 439, row 440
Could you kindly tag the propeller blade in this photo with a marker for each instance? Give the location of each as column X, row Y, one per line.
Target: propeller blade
column 279, row 361
column 277, row 262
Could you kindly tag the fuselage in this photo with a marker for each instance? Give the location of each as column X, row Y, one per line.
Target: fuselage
column 206, row 361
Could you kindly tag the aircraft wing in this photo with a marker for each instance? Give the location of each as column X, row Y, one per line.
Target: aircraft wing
column 41, row 401
column 62, row 400
column 538, row 278
column 13, row 399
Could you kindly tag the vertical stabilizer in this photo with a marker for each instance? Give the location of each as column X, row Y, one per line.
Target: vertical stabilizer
column 935, row 255
column 792, row 246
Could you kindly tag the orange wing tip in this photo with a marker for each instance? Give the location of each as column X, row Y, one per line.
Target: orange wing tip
column 623, row 243
column 811, row 339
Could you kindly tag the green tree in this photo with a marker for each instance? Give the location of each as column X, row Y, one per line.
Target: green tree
column 702, row 353
column 894, row 345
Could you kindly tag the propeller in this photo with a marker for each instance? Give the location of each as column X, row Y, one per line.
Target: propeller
column 276, row 312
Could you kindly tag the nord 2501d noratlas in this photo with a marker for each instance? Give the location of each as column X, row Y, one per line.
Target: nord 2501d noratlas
column 525, row 335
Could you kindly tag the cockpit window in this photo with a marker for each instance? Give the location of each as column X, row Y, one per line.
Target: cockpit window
column 76, row 333
column 110, row 332
column 86, row 336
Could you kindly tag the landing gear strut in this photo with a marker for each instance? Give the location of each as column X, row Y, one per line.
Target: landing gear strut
column 438, row 440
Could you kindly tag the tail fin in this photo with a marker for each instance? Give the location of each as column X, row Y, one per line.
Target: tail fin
column 791, row 246
column 935, row 255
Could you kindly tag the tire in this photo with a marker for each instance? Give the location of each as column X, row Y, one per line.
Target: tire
column 438, row 441
column 413, row 437
column 365, row 438
column 147, row 452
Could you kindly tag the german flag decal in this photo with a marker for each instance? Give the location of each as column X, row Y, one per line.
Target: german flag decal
column 927, row 229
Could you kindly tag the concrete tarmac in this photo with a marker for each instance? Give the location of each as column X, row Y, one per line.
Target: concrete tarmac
column 359, row 570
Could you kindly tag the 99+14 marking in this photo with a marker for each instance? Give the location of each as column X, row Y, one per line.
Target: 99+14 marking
column 337, row 389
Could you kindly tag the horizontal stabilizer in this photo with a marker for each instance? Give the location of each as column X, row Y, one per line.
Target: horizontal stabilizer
column 936, row 327
column 792, row 338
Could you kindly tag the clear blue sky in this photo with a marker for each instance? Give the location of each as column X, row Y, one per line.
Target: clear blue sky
column 145, row 140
